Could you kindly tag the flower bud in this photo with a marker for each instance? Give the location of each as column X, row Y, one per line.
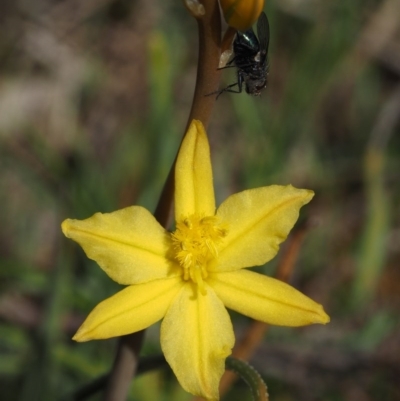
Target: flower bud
column 241, row 14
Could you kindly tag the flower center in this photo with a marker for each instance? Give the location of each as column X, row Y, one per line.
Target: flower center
column 195, row 242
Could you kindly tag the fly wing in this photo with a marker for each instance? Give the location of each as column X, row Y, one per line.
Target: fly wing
column 263, row 35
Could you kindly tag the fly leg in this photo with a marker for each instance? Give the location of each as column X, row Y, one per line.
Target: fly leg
column 229, row 89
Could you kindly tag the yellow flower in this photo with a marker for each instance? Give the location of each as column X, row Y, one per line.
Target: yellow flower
column 188, row 277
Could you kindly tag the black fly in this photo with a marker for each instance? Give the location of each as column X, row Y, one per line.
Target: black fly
column 250, row 59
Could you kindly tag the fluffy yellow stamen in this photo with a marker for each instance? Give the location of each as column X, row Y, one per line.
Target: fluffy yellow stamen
column 196, row 241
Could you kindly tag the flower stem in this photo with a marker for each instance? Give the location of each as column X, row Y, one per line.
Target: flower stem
column 207, row 81
column 208, row 75
column 252, row 378
column 125, row 366
column 98, row 384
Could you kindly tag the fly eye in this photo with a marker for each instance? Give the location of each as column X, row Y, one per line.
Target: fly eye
column 241, row 14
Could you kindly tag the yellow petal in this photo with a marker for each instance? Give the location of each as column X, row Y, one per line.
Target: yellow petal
column 132, row 309
column 266, row 299
column 257, row 220
column 194, row 192
column 196, row 337
column 129, row 244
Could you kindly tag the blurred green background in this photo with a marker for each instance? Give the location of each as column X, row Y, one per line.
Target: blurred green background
column 94, row 97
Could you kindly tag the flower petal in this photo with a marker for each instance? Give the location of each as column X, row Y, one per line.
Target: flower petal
column 129, row 244
column 132, row 309
column 194, row 191
column 196, row 337
column 266, row 299
column 258, row 220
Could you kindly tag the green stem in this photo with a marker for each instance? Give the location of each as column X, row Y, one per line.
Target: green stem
column 252, row 378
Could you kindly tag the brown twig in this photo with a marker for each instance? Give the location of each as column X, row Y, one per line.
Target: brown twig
column 209, row 28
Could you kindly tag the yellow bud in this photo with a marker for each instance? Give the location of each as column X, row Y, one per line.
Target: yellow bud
column 241, row 14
